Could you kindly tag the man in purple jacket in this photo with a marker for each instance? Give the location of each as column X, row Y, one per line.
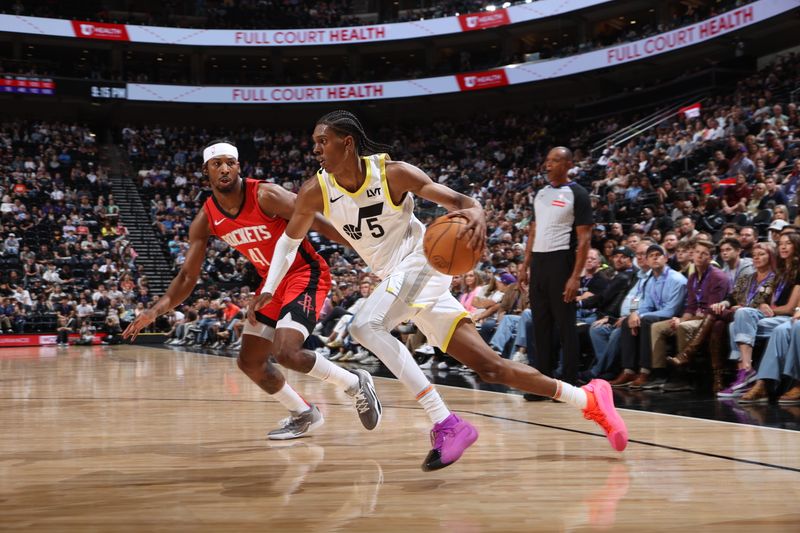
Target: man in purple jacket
column 707, row 285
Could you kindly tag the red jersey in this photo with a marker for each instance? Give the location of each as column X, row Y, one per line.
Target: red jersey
column 254, row 234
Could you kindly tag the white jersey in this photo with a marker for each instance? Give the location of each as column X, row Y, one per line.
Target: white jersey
column 382, row 233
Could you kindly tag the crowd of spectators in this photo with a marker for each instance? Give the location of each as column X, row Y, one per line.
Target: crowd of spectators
column 65, row 260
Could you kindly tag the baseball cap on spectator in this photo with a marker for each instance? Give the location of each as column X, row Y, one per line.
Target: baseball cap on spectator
column 226, row 299
column 506, row 278
column 655, row 248
column 778, row 225
column 600, row 227
column 624, row 250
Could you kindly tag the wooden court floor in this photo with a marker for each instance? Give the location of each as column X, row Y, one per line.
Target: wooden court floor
column 139, row 439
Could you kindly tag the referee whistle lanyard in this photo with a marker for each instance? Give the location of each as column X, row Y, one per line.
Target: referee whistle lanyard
column 756, row 287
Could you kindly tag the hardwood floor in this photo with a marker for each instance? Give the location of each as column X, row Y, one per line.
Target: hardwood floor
column 132, row 438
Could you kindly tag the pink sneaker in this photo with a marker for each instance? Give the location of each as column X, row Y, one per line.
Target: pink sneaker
column 600, row 408
column 450, row 438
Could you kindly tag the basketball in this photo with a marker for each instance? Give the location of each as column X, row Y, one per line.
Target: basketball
column 444, row 251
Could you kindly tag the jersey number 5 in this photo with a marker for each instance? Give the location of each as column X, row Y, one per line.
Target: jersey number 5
column 375, row 228
column 368, row 214
column 257, row 257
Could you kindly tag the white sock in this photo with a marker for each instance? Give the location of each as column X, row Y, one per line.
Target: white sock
column 571, row 395
column 327, row 371
column 433, row 404
column 291, row 400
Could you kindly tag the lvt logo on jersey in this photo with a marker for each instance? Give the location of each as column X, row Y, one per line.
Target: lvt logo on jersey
column 100, row 30
column 481, row 21
column 371, row 193
column 482, row 80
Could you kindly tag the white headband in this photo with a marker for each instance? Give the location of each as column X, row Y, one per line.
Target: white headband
column 219, row 149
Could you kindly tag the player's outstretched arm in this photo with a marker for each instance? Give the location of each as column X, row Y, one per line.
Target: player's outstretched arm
column 183, row 284
column 306, row 207
column 274, row 200
column 403, row 177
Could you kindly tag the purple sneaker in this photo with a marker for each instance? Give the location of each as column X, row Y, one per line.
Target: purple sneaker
column 744, row 379
column 450, row 439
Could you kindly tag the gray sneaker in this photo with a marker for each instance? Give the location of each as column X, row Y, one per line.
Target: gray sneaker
column 297, row 426
column 366, row 401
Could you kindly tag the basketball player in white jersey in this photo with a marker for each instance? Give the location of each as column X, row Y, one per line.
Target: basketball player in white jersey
column 369, row 200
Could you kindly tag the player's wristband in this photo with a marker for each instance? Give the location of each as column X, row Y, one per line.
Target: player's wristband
column 282, row 259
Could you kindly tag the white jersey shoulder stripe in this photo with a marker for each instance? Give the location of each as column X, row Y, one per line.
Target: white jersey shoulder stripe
column 326, row 208
column 385, row 184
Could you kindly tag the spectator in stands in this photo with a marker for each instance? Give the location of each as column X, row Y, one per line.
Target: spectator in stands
column 66, row 325
column 732, row 263
column 707, row 285
column 774, row 197
column 748, row 237
column 625, row 290
column 592, row 283
column 664, row 298
column 749, row 323
column 736, row 197
column 7, row 313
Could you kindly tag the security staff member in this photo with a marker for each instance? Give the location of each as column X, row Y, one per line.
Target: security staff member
column 559, row 241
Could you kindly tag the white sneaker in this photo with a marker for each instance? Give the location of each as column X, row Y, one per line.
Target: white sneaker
column 520, row 357
column 348, row 356
column 442, row 366
column 425, row 349
column 337, row 356
column 362, row 355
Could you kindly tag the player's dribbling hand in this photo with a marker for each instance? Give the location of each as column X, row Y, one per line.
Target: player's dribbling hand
column 257, row 302
column 144, row 319
column 476, row 222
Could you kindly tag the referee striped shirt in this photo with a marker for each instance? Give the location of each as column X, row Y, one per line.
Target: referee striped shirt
column 557, row 212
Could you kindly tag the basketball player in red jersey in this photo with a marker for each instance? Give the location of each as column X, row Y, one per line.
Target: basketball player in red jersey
column 250, row 216
column 370, row 199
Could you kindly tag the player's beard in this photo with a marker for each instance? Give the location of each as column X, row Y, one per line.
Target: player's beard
column 227, row 185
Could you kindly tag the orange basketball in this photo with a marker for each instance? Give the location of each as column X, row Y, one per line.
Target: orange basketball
column 444, row 251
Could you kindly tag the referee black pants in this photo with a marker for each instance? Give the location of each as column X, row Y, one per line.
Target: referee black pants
column 553, row 320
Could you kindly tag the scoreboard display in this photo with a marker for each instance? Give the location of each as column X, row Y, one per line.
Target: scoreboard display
column 27, row 85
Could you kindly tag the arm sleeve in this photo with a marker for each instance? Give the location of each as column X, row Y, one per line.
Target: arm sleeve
column 282, row 259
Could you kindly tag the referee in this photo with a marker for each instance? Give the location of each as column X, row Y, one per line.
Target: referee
column 559, row 241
